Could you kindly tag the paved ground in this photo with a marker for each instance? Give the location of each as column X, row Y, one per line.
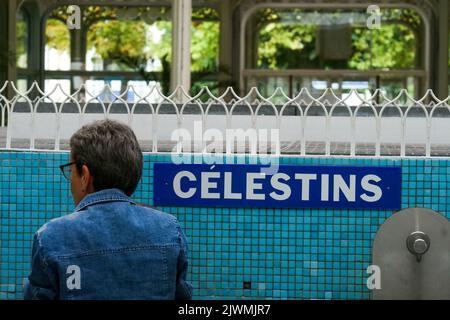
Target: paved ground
column 2, row 137
column 312, row 148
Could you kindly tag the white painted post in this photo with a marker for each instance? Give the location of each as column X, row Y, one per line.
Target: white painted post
column 181, row 44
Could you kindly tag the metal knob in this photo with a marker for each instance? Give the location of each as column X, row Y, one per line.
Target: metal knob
column 418, row 244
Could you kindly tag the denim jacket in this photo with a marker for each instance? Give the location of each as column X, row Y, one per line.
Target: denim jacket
column 109, row 248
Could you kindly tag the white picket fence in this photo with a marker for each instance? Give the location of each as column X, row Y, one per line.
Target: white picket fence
column 358, row 124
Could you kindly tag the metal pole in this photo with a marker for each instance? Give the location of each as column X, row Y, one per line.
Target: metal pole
column 12, row 65
column 442, row 72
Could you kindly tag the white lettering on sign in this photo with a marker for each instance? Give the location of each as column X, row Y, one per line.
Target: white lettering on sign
column 228, row 188
column 219, row 185
column 279, row 186
column 177, row 184
column 340, row 185
column 376, row 190
column 252, row 186
column 306, row 179
column 325, row 191
column 207, row 185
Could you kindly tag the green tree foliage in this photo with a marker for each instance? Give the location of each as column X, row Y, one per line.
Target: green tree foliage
column 286, row 46
column 122, row 42
column 393, row 46
column 125, row 41
column 286, row 41
column 163, row 48
column 205, row 46
column 123, row 37
column 57, row 35
column 22, row 39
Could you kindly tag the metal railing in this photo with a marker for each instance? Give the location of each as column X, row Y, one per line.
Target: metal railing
column 357, row 124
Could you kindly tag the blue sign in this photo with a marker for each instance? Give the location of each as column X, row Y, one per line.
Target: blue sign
column 327, row 187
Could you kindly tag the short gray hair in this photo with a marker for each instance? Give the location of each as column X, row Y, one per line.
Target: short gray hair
column 111, row 152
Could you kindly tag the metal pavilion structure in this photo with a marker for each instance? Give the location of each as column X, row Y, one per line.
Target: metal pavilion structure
column 237, row 46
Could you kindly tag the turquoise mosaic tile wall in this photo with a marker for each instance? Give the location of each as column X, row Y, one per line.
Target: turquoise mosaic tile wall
column 234, row 253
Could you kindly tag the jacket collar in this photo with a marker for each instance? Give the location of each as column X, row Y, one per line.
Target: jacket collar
column 106, row 195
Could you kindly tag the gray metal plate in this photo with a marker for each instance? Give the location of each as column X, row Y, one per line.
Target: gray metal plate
column 402, row 277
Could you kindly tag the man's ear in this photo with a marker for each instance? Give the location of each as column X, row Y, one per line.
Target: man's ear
column 85, row 176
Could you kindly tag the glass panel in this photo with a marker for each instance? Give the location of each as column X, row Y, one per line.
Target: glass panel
column 333, row 39
column 449, row 64
column 123, row 43
column 138, row 39
column 205, row 48
column 22, row 85
column 22, row 39
column 57, row 45
column 330, row 40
